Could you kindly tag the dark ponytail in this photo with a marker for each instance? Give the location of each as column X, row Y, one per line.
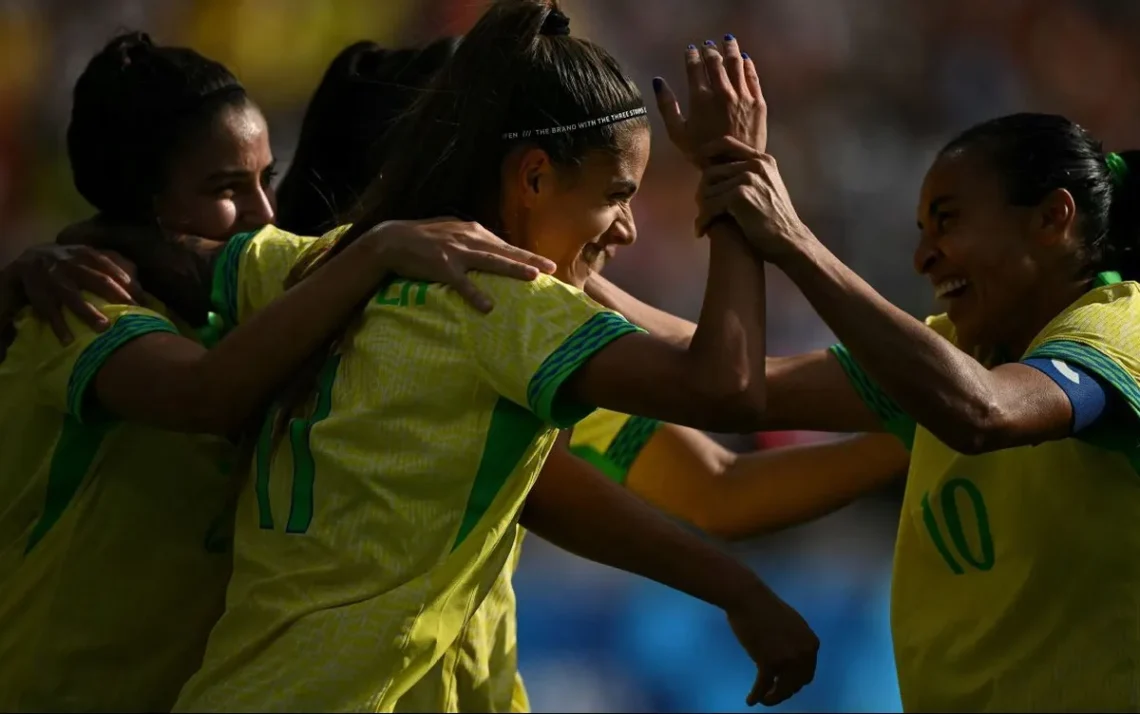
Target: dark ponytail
column 517, row 74
column 1122, row 248
column 131, row 107
column 345, row 135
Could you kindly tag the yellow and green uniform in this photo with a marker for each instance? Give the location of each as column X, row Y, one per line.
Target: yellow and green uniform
column 1017, row 573
column 480, row 671
column 375, row 526
column 114, row 550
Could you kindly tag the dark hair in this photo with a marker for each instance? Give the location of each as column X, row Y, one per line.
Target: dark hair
column 1039, row 153
column 131, row 107
column 517, row 70
column 344, row 135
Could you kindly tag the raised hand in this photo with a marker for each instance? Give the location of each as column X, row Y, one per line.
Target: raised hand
column 724, row 100
column 746, row 185
column 443, row 250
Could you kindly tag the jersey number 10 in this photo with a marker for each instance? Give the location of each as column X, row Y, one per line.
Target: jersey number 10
column 953, row 520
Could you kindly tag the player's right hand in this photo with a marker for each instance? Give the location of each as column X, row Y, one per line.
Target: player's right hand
column 443, row 250
column 52, row 277
column 781, row 644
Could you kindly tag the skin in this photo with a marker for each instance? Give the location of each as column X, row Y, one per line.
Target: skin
column 578, row 217
column 220, row 178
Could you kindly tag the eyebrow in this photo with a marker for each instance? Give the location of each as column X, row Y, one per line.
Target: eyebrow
column 625, row 185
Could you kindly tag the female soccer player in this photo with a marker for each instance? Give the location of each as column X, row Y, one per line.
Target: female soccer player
column 392, row 504
column 1016, row 570
column 678, row 469
column 113, row 552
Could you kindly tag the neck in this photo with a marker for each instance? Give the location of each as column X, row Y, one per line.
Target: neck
column 1036, row 312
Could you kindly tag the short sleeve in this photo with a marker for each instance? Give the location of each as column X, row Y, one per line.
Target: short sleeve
column 539, row 333
column 64, row 373
column 612, row 441
column 251, row 272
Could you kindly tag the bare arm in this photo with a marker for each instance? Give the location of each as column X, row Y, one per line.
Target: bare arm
column 690, row 476
column 175, row 383
column 579, row 510
column 716, row 382
column 968, row 407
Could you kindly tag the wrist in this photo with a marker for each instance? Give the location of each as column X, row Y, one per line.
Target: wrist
column 379, row 245
column 799, row 248
column 735, row 586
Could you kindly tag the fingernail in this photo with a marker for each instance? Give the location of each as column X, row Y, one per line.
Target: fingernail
column 709, row 43
column 692, row 47
column 745, row 55
column 729, row 38
column 657, row 84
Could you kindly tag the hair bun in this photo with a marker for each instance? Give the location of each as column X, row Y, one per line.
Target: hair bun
column 555, row 24
column 129, row 47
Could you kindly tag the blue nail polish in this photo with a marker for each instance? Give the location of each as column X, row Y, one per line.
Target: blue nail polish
column 657, row 84
column 692, row 47
column 729, row 38
column 709, row 43
column 745, row 55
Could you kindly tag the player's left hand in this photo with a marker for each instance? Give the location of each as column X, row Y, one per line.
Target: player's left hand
column 51, row 278
column 747, row 186
column 724, row 100
column 443, row 250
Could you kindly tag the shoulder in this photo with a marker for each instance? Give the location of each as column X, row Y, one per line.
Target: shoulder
column 1106, row 318
column 545, row 287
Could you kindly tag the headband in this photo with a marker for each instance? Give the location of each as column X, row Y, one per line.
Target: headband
column 585, row 124
column 1117, row 166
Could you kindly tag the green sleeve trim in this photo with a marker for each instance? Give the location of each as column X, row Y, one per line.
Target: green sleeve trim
column 630, row 440
column 91, row 360
column 601, row 462
column 227, row 271
column 894, row 420
column 542, row 392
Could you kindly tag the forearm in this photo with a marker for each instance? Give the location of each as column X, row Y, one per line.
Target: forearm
column 581, row 511
column 658, row 323
column 940, row 386
column 727, row 351
column 768, row 491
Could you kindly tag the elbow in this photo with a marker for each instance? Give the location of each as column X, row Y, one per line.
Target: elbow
column 740, row 399
column 978, row 428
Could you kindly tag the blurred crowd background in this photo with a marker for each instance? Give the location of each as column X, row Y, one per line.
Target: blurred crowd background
column 862, row 94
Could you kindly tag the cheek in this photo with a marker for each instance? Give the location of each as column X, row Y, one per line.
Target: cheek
column 199, row 215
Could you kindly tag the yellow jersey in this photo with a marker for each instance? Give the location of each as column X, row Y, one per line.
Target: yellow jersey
column 376, row 526
column 1016, row 573
column 480, row 671
column 114, row 549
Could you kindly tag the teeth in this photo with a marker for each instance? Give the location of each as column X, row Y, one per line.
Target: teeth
column 949, row 286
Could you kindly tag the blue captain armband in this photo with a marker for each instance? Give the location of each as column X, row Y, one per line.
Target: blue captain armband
column 1086, row 394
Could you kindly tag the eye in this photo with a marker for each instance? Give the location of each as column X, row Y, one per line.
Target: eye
column 944, row 221
column 268, row 175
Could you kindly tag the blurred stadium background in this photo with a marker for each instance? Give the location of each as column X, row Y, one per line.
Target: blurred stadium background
column 862, row 94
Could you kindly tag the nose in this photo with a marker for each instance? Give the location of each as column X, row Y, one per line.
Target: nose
column 623, row 231
column 926, row 255
column 260, row 209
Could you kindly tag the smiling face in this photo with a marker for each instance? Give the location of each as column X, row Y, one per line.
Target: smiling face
column 576, row 216
column 999, row 269
column 219, row 181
